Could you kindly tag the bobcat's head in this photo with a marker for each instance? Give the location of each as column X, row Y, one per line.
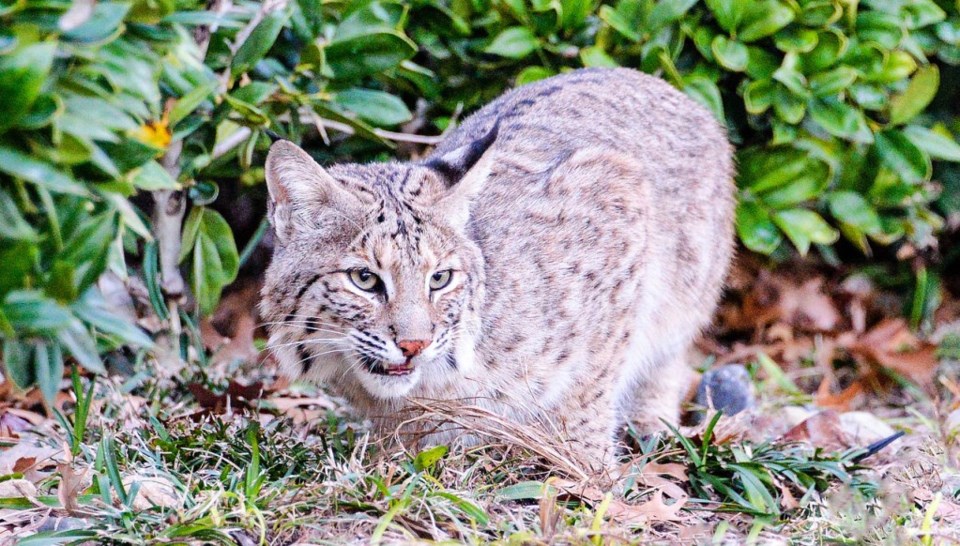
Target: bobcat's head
column 373, row 281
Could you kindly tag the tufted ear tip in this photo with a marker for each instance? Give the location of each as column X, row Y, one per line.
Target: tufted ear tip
column 453, row 166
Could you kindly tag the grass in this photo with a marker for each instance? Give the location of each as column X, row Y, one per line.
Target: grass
column 145, row 464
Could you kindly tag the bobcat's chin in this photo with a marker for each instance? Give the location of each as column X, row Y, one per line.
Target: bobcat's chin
column 388, row 381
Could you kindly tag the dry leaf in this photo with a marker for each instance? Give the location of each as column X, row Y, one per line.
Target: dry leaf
column 890, row 344
column 17, row 488
column 823, row 429
column 653, row 510
column 841, row 401
column 154, row 491
column 675, row 470
column 549, row 514
column 24, row 464
column 72, row 482
column 787, row 500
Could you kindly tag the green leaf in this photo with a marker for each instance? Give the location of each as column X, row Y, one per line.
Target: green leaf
column 22, row 74
column 426, row 459
column 215, row 260
column 77, row 340
column 370, row 18
column 916, row 97
column 470, row 509
column 186, row 104
column 765, row 169
column 619, row 22
column 797, row 39
column 937, row 145
column 94, row 310
column 30, row 311
column 841, row 120
column 804, row 227
column 250, row 113
column 763, row 18
column 788, row 106
column 18, row 363
column 375, row 107
column 920, row 13
column 88, row 247
column 361, row 56
column 513, row 43
column 758, row 96
column 595, row 56
column 19, row 165
column 255, row 93
column 152, row 176
column 831, row 45
column 259, row 42
column 529, row 490
column 665, row 13
column 706, row 92
column 531, row 74
column 728, row 12
column 879, row 27
column 13, row 225
column 756, row 229
column 833, row 82
column 360, row 127
column 731, row 54
column 60, row 283
column 42, row 112
column 897, row 66
column 820, row 13
column 19, row 260
column 102, row 24
column 851, row 208
column 762, row 64
column 791, row 78
column 55, row 538
column 896, row 151
column 48, row 366
column 805, row 187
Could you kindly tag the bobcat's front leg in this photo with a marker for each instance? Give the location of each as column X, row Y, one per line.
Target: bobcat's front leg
column 587, row 422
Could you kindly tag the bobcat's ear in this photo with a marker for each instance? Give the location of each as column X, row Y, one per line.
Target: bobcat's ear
column 301, row 192
column 465, row 169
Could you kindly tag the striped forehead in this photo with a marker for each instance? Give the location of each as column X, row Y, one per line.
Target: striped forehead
column 395, row 231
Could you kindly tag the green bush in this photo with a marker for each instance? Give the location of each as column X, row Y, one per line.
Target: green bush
column 836, row 108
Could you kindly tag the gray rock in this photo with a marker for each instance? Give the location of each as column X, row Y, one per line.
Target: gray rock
column 727, row 389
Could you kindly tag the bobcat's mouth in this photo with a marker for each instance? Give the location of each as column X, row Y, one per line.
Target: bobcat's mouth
column 379, row 367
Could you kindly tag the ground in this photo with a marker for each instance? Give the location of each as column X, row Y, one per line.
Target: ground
column 204, row 444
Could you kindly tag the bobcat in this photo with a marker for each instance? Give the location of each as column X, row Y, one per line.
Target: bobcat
column 551, row 261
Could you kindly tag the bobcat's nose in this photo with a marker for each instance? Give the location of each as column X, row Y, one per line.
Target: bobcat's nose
column 412, row 347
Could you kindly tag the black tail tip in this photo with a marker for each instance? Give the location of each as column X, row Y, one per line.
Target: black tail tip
column 873, row 448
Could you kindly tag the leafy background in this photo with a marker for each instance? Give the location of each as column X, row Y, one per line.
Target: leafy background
column 844, row 114
column 132, row 238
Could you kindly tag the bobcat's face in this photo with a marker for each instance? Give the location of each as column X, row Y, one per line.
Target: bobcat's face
column 373, row 281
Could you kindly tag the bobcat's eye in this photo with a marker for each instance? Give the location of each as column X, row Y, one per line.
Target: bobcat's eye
column 440, row 279
column 364, row 279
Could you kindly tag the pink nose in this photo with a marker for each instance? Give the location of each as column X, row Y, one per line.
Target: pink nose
column 411, row 348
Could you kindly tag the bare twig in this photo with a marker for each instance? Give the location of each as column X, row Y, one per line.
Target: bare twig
column 229, row 143
column 168, row 211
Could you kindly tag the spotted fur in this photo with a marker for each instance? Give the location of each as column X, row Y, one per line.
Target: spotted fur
column 588, row 221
